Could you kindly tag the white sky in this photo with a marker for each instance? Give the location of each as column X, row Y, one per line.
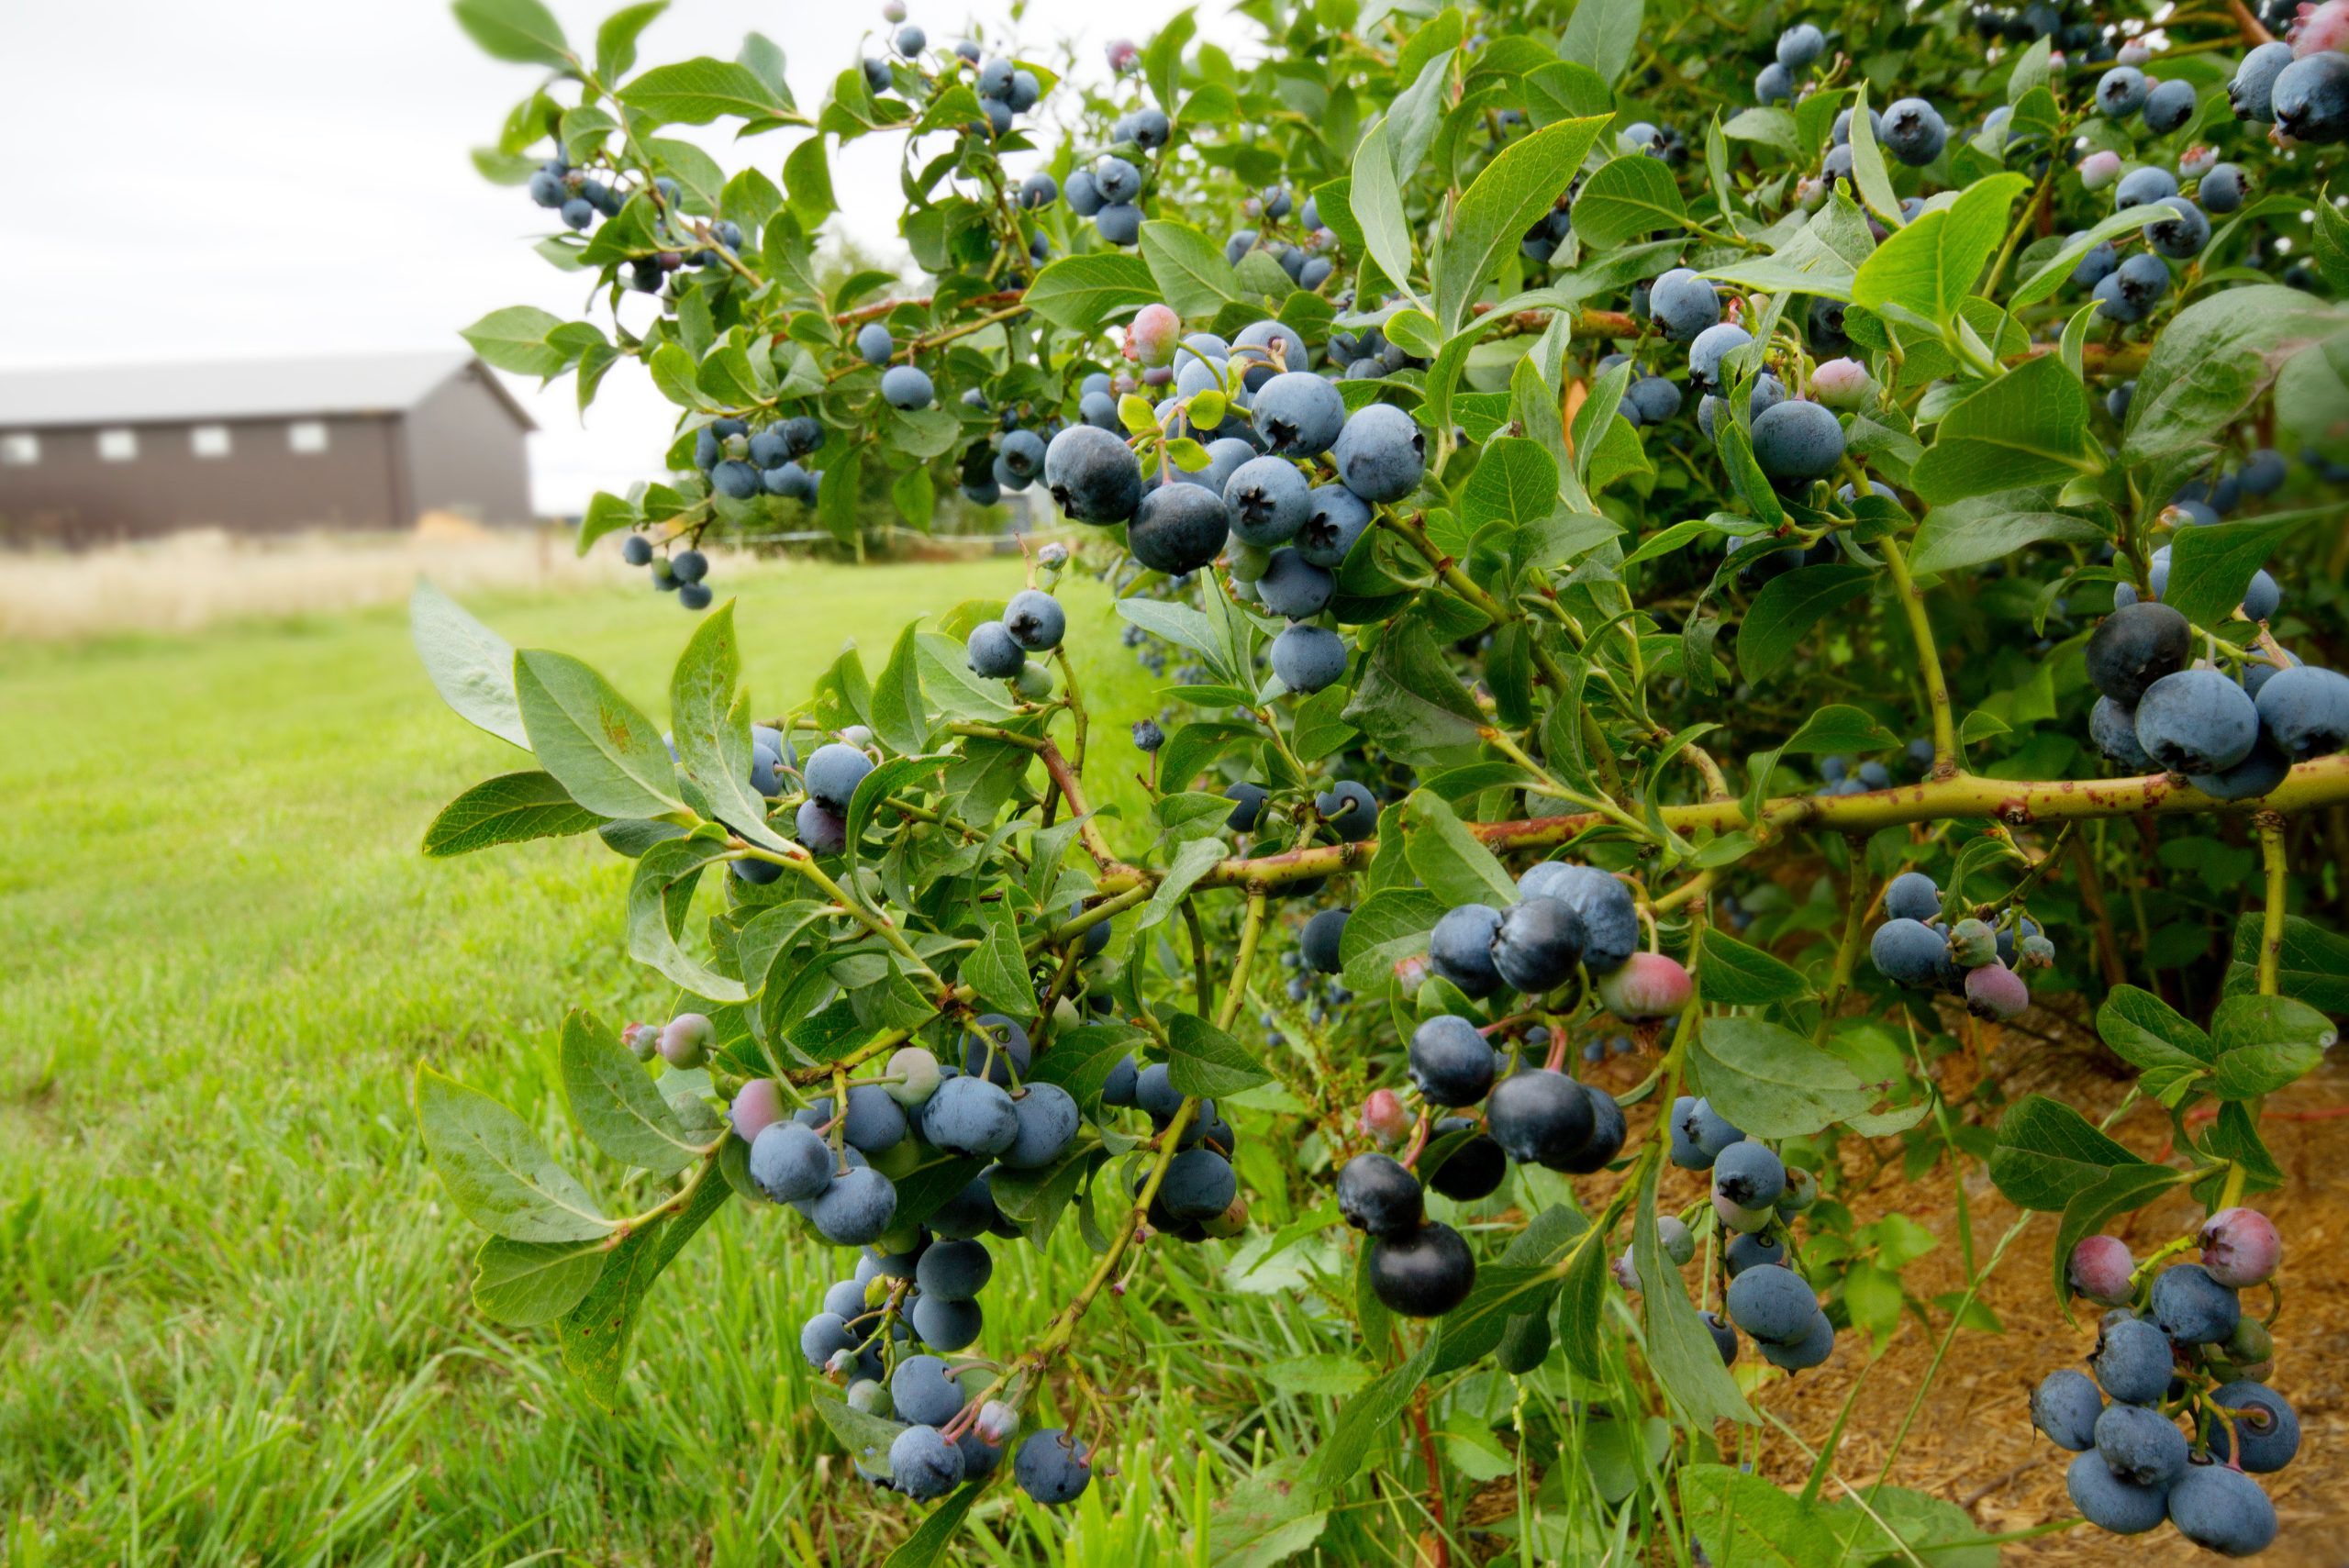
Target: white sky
column 256, row 177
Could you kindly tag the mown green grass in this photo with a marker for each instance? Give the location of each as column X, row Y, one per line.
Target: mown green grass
column 236, row 1320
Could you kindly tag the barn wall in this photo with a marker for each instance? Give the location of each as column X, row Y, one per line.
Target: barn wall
column 71, row 496
column 465, row 453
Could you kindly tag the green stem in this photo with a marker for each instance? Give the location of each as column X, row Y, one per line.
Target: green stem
column 1857, row 903
column 2271, row 919
column 1929, row 663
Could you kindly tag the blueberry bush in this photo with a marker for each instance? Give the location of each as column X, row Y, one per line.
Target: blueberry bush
column 1633, row 545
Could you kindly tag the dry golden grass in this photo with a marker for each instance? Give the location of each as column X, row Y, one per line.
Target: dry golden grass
column 198, row 578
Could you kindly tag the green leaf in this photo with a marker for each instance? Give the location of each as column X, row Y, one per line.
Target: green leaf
column 522, row 31
column 1868, row 172
column 2029, row 426
column 1627, row 198
column 1839, row 727
column 521, row 1284
column 1188, row 268
column 1391, row 924
column 471, row 666
column 1408, row 701
column 1603, row 35
column 1317, row 731
column 2213, row 359
column 2046, row 1154
column 2312, row 966
column 1930, row 266
column 657, row 899
column 496, row 1171
column 614, row 1104
column 928, row 1545
column 1454, row 864
column 1472, row 1328
column 1787, row 608
column 595, row 1334
column 1082, row 1059
column 1969, row 532
column 712, row 730
column 1751, row 1521
column 807, row 179
column 1744, row 976
column 2210, row 568
column 1679, row 1347
column 1365, row 1422
column 1499, row 205
column 695, row 92
column 508, row 809
column 515, row 339
column 899, row 716
column 615, row 38
column 2264, row 1043
column 605, row 754
column 1192, row 861
column 1377, row 203
column 1077, row 294
column 2146, row 1032
column 1770, row 1081
column 1204, row 1060
column 2057, row 270
column 1515, row 483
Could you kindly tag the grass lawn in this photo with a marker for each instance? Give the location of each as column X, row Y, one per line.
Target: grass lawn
column 237, row 1327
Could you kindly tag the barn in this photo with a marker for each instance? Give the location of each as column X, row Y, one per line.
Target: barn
column 96, row 454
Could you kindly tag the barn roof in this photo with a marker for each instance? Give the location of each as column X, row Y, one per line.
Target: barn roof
column 236, row 389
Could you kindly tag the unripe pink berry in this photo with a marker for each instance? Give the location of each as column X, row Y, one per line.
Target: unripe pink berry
column 2100, row 169
column 2133, row 54
column 2196, row 161
column 1410, row 974
column 2325, row 28
column 1649, row 985
column 2240, row 1248
column 684, row 1040
column 893, row 10
column 996, row 1422
column 1996, row 992
column 1158, row 375
column 1744, row 1220
column 1123, row 55
column 758, row 1105
column 1842, row 384
column 1154, row 334
column 1626, row 1274
column 2100, row 1269
column 1385, row 1117
column 643, row 1040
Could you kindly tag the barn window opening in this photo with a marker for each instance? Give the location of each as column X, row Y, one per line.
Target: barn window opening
column 117, row 446
column 209, row 441
column 306, row 435
column 19, row 451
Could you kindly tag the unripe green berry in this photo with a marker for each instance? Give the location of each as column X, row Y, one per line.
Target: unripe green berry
column 1972, row 943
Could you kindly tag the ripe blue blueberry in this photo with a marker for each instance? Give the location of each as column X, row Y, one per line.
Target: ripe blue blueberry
column 997, row 1048
column 1913, row 896
column 1706, row 1128
column 2065, row 1407
column 833, row 772
column 1611, row 917
column 875, row 344
column 2222, row 1511
column 1334, row 519
column 2263, row 1424
column 1914, row 133
column 1539, row 945
column 1118, row 223
column 2192, row 1309
column 923, row 1464
column 970, row 1116
column 1249, row 805
column 1540, row 1118
column 1774, row 84
column 1752, row 1251
column 1776, row 1306
column 966, row 1215
column 1812, row 1350
column 907, row 387
column 1460, row 949
column 1378, row 1195
column 947, row 1326
column 992, row 653
column 911, row 41
column 1800, row 45
column 2169, row 105
column 1149, row 128
column 921, row 1388
column 789, row 1162
column 2112, row 726
column 1425, row 1275
column 2150, row 184
column 2120, row 92
column 1798, row 440
column 1093, row 475
column 824, row 1336
column 1053, row 1467
column 1749, row 1176
column 1298, row 413
column 875, row 1122
column 1309, row 658
column 1684, row 305
column 2140, row 1445
column 820, row 830
column 2180, row 237
column 1268, row 499
column 2307, row 710
column 2252, row 92
column 954, row 1271
column 1292, row 585
column 2197, row 721
column 1381, row 454
column 1350, row 808
column 734, row 480
column 1117, row 179
column 1178, row 528
column 1199, row 1185
column 856, row 1208
column 1724, row 1337
column 2132, row 1361
column 1035, row 620
column 1082, row 195
column 1450, row 1064
column 2095, row 266
column 1706, row 352
column 1048, row 1119
column 2110, row 1503
column 2135, row 646
column 2254, row 776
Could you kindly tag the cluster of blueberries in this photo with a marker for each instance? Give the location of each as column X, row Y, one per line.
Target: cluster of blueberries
column 1305, row 267
column 2177, row 1345
column 2303, row 87
column 1033, row 622
column 2072, row 27
column 2235, row 735
column 1277, row 425
column 739, row 464
column 579, row 198
column 1755, row 1195
column 1005, row 90
column 1970, row 956
column 683, row 573
column 1015, row 458
column 1844, row 775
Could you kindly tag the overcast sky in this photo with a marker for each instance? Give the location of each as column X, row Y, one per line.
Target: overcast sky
column 265, row 177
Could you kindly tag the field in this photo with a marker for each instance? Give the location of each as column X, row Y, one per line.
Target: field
column 236, row 1324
